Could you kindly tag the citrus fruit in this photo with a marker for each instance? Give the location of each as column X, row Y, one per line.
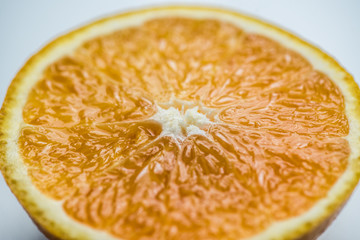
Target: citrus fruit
column 181, row 123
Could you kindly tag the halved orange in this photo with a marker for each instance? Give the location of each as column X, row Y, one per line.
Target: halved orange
column 181, row 123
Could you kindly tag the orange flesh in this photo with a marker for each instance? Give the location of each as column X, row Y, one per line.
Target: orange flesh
column 276, row 148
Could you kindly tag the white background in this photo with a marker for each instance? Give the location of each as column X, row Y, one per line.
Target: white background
column 25, row 26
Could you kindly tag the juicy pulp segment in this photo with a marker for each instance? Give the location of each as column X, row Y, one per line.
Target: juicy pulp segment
column 61, row 159
column 274, row 147
column 71, row 93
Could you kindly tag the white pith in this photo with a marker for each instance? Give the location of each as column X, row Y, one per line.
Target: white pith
column 51, row 209
column 181, row 124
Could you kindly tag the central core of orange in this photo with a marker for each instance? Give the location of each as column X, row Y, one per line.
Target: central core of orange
column 182, row 122
column 184, row 129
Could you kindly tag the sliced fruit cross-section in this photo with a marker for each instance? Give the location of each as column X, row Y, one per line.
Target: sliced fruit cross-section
column 178, row 127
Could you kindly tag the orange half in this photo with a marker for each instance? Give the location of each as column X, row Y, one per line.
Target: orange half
column 181, row 123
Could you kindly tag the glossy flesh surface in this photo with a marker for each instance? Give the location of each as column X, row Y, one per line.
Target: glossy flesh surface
column 273, row 148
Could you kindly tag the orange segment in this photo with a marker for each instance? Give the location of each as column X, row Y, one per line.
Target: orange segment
column 300, row 109
column 62, row 160
column 268, row 147
column 132, row 198
column 71, row 92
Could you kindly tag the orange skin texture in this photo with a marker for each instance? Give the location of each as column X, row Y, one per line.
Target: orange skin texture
column 277, row 149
